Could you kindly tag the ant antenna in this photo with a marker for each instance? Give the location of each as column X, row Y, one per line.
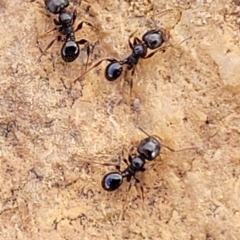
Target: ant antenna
column 94, row 66
column 162, row 144
column 142, row 130
column 184, row 40
column 162, row 12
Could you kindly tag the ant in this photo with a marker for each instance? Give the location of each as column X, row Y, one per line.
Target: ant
column 148, row 149
column 152, row 39
column 64, row 24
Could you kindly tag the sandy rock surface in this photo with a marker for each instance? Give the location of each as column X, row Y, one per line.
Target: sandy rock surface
column 52, row 128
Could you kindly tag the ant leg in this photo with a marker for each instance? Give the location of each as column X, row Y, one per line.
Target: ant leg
column 162, row 13
column 76, row 4
column 111, row 60
column 129, row 42
column 51, row 30
column 57, row 27
column 90, row 48
column 162, row 49
column 126, row 198
column 56, row 22
column 165, row 36
column 132, row 34
column 126, row 78
column 141, row 188
column 87, row 43
column 131, row 80
column 129, row 160
column 115, row 164
column 58, row 38
column 83, row 42
column 88, row 55
column 123, row 80
column 80, row 25
column 154, row 164
column 184, row 40
column 74, row 16
column 131, row 183
column 136, row 40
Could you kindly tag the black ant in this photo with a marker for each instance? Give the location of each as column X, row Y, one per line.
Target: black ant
column 148, row 149
column 152, row 39
column 64, row 24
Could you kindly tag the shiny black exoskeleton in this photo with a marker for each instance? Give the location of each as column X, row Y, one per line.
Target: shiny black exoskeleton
column 113, row 180
column 56, row 6
column 152, row 39
column 148, row 149
column 70, row 49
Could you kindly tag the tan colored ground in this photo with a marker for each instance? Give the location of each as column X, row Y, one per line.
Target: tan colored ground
column 50, row 127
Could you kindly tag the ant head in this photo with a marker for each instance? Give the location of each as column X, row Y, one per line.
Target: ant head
column 56, row 6
column 65, row 18
column 153, row 38
column 113, row 71
column 149, row 148
column 70, row 51
column 140, row 50
column 112, row 181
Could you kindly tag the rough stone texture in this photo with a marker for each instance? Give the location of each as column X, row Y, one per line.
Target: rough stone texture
column 52, row 129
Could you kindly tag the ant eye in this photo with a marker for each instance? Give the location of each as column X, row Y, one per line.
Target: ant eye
column 113, row 71
column 153, row 39
column 112, row 181
column 70, row 51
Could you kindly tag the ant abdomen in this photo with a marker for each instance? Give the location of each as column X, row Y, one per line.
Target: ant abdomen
column 113, row 71
column 112, row 181
column 153, row 39
column 149, row 148
column 56, row 6
column 70, row 51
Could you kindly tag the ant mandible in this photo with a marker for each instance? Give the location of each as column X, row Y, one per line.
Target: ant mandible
column 70, row 49
column 148, row 149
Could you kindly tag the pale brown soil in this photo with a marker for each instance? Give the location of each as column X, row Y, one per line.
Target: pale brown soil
column 52, row 129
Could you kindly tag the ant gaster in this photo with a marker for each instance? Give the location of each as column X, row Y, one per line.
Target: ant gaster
column 152, row 39
column 148, row 149
column 64, row 24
